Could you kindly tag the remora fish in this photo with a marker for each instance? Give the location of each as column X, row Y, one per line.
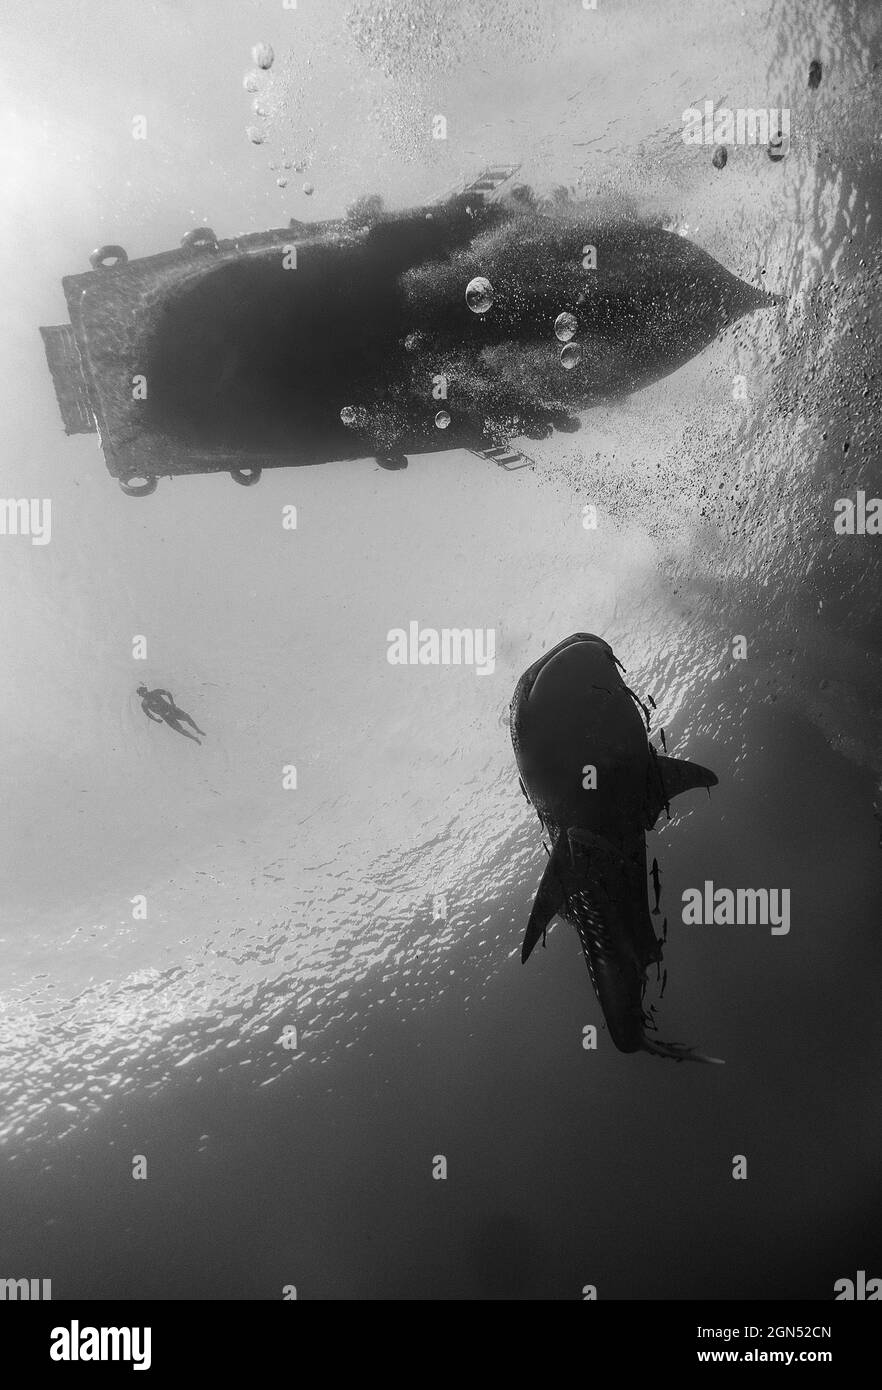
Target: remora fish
column 570, row 712
column 331, row 340
column 656, row 886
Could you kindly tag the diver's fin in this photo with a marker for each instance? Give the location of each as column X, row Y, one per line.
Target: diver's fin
column 550, row 899
column 668, row 777
column 677, row 1052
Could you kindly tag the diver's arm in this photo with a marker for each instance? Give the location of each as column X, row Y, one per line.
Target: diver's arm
column 155, row 717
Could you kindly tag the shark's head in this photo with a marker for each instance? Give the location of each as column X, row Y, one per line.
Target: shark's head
column 571, row 711
column 584, row 651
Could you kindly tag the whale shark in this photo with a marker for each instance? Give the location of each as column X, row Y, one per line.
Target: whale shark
column 598, row 785
column 365, row 336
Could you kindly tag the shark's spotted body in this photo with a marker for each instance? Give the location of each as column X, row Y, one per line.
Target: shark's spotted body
column 597, row 785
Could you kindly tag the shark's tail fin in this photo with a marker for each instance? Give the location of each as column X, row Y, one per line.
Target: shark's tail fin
column 677, row 1052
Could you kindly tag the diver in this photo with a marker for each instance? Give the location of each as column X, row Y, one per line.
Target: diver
column 159, row 705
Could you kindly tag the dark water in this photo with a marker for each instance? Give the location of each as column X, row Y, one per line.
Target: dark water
column 419, row 1037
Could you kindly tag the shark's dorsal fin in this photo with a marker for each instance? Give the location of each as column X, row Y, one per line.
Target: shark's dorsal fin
column 668, row 777
column 550, row 898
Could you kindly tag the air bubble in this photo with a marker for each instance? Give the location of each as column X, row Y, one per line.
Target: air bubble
column 263, row 55
column 348, row 414
column 570, row 356
column 565, row 326
column 308, row 189
column 282, row 182
column 254, row 135
column 442, row 419
column 479, row 294
column 251, row 82
column 413, row 342
column 777, row 147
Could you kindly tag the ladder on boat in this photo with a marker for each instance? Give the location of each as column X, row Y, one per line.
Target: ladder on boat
column 505, row 457
column 485, row 187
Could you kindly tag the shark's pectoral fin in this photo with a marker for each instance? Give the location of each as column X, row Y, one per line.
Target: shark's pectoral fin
column 679, row 775
column 668, row 777
column 550, row 900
